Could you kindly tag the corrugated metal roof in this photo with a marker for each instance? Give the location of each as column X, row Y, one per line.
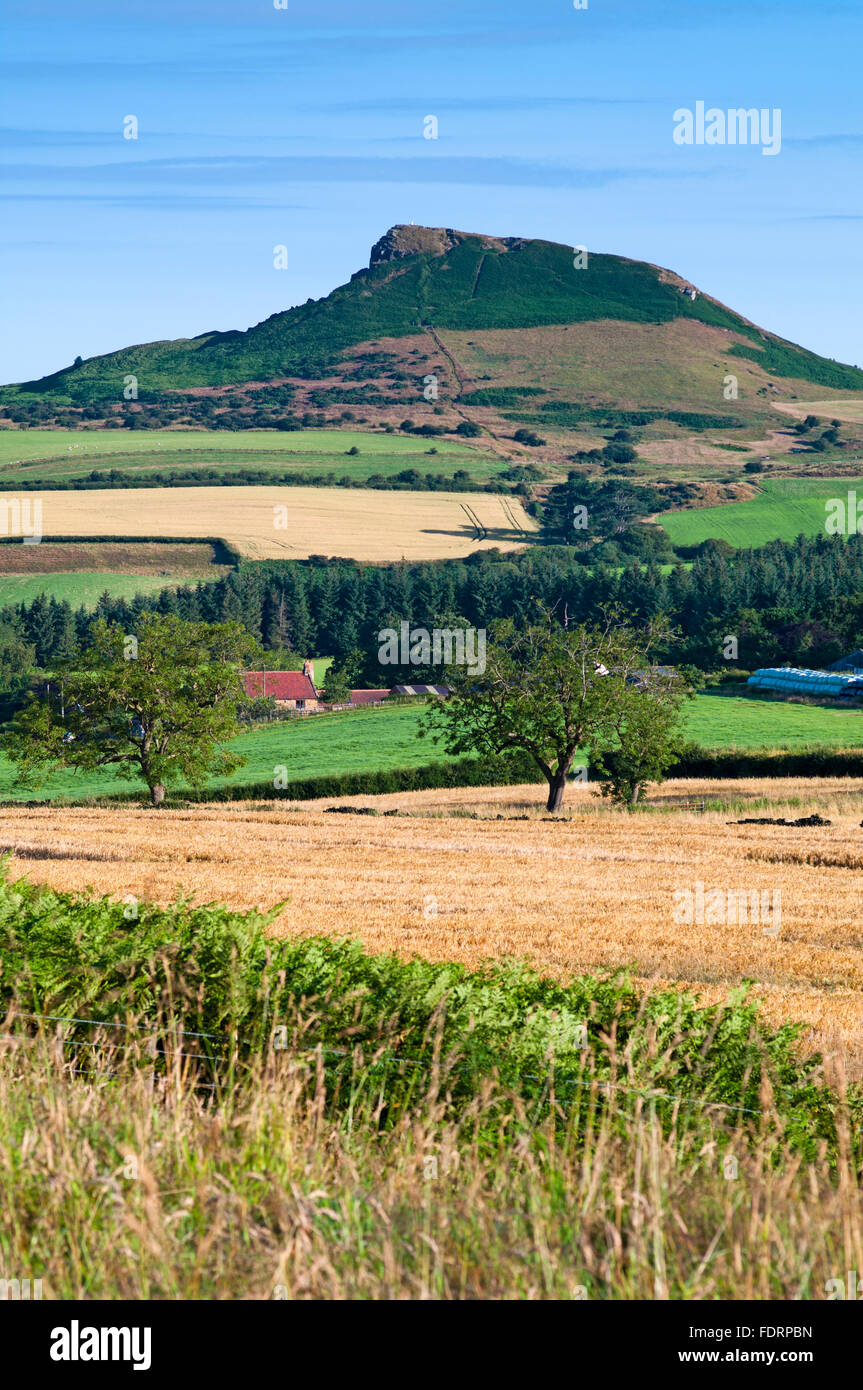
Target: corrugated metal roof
column 420, row 690
column 852, row 662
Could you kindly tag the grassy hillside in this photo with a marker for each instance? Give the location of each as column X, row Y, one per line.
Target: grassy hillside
column 783, row 509
column 466, row 282
column 371, row 739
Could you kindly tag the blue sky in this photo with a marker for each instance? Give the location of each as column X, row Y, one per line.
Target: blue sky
column 303, row 127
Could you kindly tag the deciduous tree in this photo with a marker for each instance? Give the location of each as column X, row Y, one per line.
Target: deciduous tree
column 554, row 691
column 157, row 703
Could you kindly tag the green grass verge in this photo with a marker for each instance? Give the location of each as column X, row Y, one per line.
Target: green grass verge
column 425, row 1126
column 383, row 740
column 75, row 956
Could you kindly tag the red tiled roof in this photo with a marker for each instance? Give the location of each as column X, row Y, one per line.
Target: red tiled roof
column 284, row 685
column 367, row 697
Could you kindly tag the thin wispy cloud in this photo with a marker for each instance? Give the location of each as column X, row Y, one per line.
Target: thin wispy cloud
column 489, row 103
column 838, row 141
column 828, row 217
column 430, row 168
column 12, row 138
column 161, row 202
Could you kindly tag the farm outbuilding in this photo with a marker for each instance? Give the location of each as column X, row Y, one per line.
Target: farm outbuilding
column 421, row 690
column 369, row 697
column 852, row 662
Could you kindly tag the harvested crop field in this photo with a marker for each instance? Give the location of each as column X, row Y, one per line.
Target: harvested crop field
column 195, row 561
column 362, row 524
column 846, row 408
column 448, row 880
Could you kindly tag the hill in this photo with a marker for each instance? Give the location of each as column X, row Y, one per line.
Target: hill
column 513, row 333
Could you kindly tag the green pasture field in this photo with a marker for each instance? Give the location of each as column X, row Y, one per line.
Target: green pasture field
column 320, row 666
column 784, row 508
column 367, row 740
column 85, row 588
column 738, row 721
column 37, row 455
column 308, row 746
column 80, row 572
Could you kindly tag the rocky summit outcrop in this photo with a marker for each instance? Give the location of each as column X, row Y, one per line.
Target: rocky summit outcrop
column 407, row 240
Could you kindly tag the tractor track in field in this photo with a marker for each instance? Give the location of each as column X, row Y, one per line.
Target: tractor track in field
column 457, row 371
column 463, row 380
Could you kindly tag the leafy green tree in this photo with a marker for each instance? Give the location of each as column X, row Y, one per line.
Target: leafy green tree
column 156, row 705
column 17, row 657
column 641, row 735
column 17, row 660
column 549, row 691
column 343, row 677
column 619, row 453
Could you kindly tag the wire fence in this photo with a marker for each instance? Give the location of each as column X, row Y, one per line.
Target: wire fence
column 559, row 1084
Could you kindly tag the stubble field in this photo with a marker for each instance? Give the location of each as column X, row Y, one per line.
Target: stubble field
column 292, row 523
column 448, row 880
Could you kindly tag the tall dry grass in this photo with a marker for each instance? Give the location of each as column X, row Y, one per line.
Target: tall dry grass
column 132, row 1181
column 191, row 1109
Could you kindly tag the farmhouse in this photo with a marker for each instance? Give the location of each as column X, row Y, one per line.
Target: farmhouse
column 289, row 689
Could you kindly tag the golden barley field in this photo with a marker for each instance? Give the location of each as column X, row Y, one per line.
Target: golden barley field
column 447, row 879
column 291, row 523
